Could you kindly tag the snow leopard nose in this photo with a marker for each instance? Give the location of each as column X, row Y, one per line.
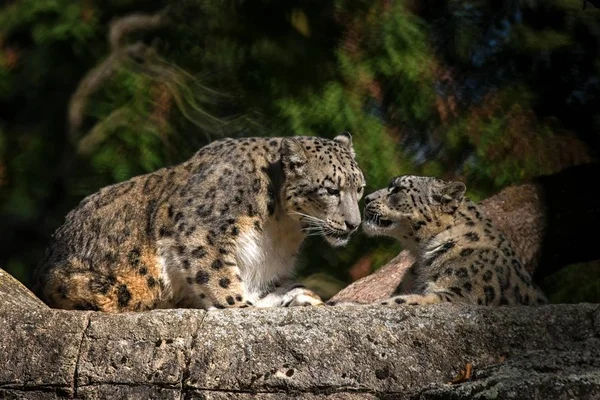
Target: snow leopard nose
column 369, row 198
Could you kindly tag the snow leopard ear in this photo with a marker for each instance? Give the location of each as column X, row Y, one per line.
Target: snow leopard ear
column 293, row 154
column 345, row 140
column 452, row 195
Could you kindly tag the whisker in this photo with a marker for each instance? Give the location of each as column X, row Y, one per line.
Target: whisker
column 306, row 216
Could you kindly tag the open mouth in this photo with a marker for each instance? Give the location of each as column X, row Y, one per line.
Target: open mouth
column 375, row 219
column 331, row 234
column 339, row 235
column 383, row 222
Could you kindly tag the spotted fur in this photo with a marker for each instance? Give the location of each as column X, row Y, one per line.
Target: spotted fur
column 220, row 230
column 460, row 255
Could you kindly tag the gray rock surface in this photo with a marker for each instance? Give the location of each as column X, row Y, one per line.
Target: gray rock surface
column 334, row 353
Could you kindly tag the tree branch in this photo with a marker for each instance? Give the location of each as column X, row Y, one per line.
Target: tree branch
column 122, row 27
column 120, row 53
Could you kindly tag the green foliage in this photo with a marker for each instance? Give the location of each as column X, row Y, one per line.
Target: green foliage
column 489, row 94
column 404, row 60
column 334, row 110
column 49, row 21
column 578, row 283
column 530, row 40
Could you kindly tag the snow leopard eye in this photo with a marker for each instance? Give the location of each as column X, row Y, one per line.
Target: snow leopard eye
column 397, row 189
column 333, row 191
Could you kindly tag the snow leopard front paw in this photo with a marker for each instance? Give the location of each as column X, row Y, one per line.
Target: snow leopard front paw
column 302, row 297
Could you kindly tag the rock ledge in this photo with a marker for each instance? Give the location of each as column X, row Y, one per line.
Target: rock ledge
column 363, row 352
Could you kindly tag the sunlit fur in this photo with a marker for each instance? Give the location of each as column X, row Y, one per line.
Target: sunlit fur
column 322, row 188
column 459, row 255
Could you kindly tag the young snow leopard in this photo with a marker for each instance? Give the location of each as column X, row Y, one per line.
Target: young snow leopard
column 222, row 229
column 460, row 256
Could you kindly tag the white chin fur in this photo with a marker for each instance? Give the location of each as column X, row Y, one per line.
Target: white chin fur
column 336, row 242
column 372, row 229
